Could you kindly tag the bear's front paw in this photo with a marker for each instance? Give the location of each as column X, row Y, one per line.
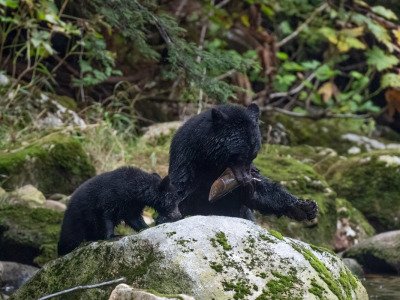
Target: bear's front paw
column 304, row 210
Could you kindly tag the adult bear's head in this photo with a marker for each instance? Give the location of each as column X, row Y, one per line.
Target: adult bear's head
column 234, row 135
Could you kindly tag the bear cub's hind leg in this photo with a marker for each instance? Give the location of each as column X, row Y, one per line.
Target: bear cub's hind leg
column 136, row 223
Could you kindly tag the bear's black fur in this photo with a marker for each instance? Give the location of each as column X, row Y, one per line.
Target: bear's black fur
column 227, row 136
column 102, row 202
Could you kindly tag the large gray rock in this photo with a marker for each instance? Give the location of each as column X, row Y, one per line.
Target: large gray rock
column 378, row 254
column 13, row 275
column 27, row 195
column 205, row 257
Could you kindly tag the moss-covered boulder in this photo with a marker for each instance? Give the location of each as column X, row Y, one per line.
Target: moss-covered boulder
column 304, row 182
column 319, row 158
column 378, row 254
column 324, row 132
column 205, row 257
column 29, row 235
column 27, row 195
column 371, row 183
column 55, row 163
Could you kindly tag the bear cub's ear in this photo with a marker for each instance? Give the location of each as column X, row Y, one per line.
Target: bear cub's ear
column 254, row 110
column 218, row 116
column 164, row 184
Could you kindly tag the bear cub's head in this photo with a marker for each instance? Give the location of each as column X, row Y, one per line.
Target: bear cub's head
column 235, row 134
column 166, row 202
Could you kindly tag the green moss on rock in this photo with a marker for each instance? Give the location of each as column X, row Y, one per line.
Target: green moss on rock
column 371, row 183
column 304, row 182
column 316, row 289
column 324, row 132
column 276, row 234
column 342, row 287
column 55, row 163
column 319, row 158
column 240, row 288
column 282, row 287
column 29, row 235
column 151, row 260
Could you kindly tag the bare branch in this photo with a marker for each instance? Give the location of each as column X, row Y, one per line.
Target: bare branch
column 315, row 116
column 295, row 90
column 302, row 26
column 84, row 287
column 180, row 7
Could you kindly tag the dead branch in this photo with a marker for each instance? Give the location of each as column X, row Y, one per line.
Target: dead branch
column 295, row 90
column 315, row 116
column 84, row 287
column 302, row 26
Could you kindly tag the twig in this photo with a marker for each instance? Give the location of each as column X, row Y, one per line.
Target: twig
column 84, row 287
column 63, row 6
column 180, row 7
column 222, row 3
column 315, row 116
column 294, row 90
column 226, row 74
column 302, row 26
column 62, row 61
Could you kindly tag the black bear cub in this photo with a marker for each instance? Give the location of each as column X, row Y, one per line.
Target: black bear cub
column 103, row 201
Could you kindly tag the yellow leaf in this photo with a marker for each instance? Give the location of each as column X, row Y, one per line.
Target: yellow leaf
column 327, row 90
column 245, row 20
column 343, row 46
column 347, row 42
column 330, row 34
column 353, row 32
column 396, row 33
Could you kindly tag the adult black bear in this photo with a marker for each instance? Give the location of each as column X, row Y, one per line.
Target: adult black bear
column 102, row 202
column 227, row 136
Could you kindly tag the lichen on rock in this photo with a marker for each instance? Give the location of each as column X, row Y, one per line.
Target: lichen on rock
column 205, row 257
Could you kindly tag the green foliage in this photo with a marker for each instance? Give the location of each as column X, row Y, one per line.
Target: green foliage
column 313, row 56
column 378, row 59
column 341, row 37
column 384, row 12
column 95, row 53
column 199, row 67
column 390, row 80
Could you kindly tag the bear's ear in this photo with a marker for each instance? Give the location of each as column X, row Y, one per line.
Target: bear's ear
column 254, row 110
column 164, row 184
column 218, row 116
